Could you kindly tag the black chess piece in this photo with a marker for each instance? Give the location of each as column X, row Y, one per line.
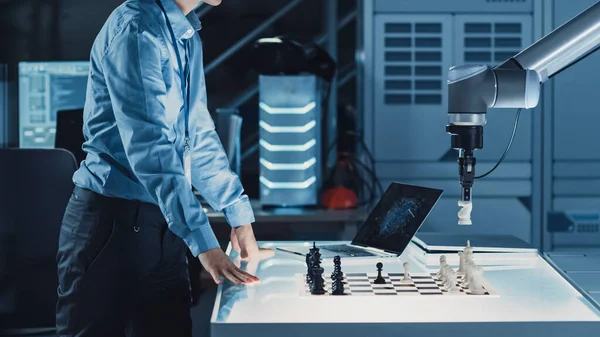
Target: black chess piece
column 314, row 249
column 337, row 267
column 379, row 279
column 337, row 286
column 308, row 268
column 317, row 286
column 316, row 259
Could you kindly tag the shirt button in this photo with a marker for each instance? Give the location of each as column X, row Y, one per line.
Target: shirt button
column 190, row 31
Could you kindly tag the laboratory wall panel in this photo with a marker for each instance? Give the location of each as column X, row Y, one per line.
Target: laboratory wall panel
column 462, row 6
column 412, row 56
column 574, row 215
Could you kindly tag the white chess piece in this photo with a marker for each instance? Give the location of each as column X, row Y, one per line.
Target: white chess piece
column 476, row 281
column 442, row 263
column 464, row 214
column 461, row 265
column 468, row 250
column 406, row 278
column 467, row 278
column 450, row 284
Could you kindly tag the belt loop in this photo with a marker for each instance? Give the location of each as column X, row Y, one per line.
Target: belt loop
column 136, row 228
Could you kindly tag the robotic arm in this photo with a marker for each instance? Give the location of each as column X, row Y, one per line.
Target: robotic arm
column 516, row 83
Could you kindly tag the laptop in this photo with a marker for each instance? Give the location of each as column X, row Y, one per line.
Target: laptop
column 390, row 226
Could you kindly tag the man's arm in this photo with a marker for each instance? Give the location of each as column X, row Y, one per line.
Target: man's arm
column 132, row 69
column 213, row 178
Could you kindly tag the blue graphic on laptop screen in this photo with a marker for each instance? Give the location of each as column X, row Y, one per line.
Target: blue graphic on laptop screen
column 397, row 217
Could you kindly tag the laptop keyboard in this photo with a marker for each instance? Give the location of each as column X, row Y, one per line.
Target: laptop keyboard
column 348, row 250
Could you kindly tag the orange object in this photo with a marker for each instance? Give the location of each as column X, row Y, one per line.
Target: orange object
column 339, row 198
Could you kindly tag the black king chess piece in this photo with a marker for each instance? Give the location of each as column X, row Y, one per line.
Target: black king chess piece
column 310, row 257
column 379, row 279
column 318, row 284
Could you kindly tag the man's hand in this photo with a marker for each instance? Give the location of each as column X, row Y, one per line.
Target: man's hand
column 244, row 242
column 218, row 264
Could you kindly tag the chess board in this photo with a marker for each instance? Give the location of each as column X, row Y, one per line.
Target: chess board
column 361, row 284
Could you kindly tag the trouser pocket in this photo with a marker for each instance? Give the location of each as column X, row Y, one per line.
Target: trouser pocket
column 86, row 231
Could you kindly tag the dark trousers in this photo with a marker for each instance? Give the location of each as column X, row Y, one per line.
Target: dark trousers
column 121, row 271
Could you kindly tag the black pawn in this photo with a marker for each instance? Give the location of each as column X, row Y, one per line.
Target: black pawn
column 337, row 268
column 317, row 286
column 337, row 287
column 379, row 279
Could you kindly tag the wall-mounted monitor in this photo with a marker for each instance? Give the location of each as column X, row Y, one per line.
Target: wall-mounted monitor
column 44, row 89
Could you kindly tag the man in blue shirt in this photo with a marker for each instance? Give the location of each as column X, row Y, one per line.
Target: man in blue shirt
column 149, row 138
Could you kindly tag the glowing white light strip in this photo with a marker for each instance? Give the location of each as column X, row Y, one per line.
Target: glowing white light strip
column 280, row 185
column 287, row 111
column 270, row 40
column 297, row 148
column 289, row 129
column 299, row 166
column 28, row 133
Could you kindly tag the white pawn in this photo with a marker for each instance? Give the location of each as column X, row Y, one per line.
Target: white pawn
column 406, row 279
column 476, row 281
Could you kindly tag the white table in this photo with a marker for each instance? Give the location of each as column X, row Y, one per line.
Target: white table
column 534, row 300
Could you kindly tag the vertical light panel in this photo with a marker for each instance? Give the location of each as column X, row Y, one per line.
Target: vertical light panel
column 290, row 140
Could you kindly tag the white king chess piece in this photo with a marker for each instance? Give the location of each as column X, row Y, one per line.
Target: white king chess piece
column 464, row 215
column 476, row 282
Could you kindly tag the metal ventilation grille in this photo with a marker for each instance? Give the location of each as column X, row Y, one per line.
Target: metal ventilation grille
column 413, row 63
column 588, row 228
column 491, row 43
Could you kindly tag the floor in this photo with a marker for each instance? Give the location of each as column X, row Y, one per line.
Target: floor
column 582, row 266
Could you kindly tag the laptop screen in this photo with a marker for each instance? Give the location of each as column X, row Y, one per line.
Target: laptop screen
column 397, row 217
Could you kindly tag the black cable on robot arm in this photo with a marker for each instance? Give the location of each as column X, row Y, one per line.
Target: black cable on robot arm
column 512, row 137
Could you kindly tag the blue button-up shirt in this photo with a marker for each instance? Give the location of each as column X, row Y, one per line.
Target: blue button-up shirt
column 134, row 123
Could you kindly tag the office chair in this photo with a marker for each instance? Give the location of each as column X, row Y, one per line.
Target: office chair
column 69, row 132
column 36, row 186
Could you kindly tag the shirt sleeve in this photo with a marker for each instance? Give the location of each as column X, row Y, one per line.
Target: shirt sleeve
column 213, row 178
column 132, row 70
column 211, row 172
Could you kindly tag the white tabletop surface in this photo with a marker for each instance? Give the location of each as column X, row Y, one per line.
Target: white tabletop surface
column 529, row 290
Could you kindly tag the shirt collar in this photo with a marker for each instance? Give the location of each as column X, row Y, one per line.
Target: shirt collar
column 184, row 27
